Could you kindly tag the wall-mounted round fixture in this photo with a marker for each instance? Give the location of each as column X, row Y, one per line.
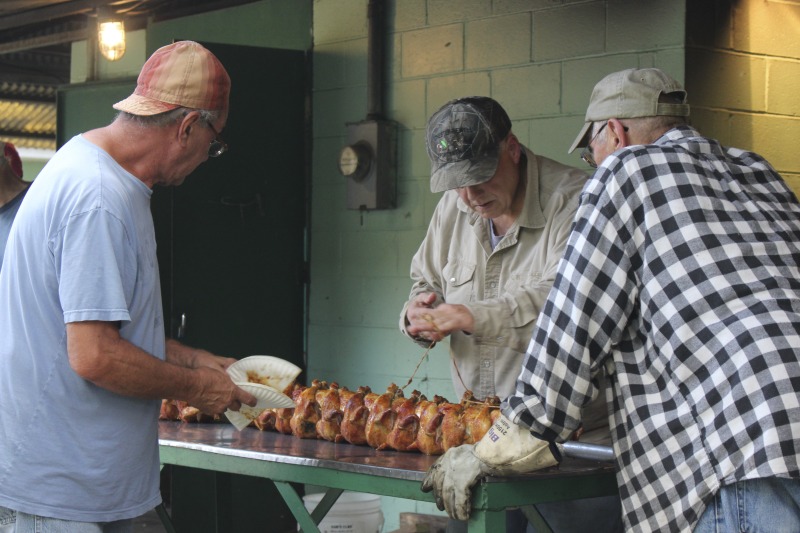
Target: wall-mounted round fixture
column 110, row 35
column 355, row 160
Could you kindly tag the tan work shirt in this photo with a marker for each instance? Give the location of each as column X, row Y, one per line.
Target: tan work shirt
column 504, row 288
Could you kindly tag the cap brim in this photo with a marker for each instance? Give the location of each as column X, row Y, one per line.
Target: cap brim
column 582, row 139
column 463, row 173
column 141, row 105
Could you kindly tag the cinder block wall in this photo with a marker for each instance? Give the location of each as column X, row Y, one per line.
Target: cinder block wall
column 743, row 77
column 539, row 58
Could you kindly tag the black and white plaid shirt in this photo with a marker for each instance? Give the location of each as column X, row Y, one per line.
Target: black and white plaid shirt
column 682, row 274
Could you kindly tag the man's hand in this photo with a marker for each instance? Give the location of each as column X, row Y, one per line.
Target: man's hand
column 217, row 392
column 505, row 449
column 434, row 324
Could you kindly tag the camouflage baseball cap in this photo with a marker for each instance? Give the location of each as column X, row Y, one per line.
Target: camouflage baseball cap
column 462, row 139
column 632, row 93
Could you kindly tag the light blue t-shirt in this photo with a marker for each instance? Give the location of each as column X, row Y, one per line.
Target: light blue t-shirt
column 82, row 248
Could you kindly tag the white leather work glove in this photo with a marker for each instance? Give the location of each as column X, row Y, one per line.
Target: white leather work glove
column 505, row 449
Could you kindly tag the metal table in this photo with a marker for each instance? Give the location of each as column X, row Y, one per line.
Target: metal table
column 285, row 459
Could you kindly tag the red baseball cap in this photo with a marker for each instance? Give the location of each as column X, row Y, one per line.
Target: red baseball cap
column 182, row 74
column 11, row 156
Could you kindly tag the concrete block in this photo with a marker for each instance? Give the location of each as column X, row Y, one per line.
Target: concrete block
column 498, row 41
column 334, row 108
column 569, row 31
column 769, row 28
column 579, row 77
column 717, row 78
column 328, row 198
column 436, row 50
column 645, row 24
column 340, row 64
column 339, row 20
column 793, row 180
column 405, row 103
column 406, row 14
column 410, row 212
column 783, row 87
column 712, row 123
column 772, row 137
column 447, row 11
column 443, row 89
column 528, row 91
column 504, row 7
column 417, row 163
column 552, row 137
column 368, row 252
column 671, row 61
column 383, row 300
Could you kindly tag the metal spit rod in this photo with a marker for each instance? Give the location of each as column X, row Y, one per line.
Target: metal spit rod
column 593, row 452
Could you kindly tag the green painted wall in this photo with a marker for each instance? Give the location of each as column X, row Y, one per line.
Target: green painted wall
column 539, row 58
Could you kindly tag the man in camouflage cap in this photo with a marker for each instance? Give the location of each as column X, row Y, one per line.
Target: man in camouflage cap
column 486, row 265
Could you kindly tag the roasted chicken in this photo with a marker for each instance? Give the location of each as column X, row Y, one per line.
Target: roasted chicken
column 387, row 421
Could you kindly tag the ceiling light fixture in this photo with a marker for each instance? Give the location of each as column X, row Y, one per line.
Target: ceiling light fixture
column 110, row 35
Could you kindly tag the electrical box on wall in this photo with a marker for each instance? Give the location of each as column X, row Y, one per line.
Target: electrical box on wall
column 369, row 163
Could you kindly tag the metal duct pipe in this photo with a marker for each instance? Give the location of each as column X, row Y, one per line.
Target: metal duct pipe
column 376, row 44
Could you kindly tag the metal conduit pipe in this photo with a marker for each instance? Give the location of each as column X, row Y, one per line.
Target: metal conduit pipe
column 376, row 49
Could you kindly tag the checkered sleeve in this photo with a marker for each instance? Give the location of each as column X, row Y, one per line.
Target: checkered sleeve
column 589, row 303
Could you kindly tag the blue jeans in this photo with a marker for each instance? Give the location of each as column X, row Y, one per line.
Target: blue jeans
column 768, row 505
column 16, row 522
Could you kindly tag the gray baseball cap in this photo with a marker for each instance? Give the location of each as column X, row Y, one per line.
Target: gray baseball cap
column 462, row 139
column 632, row 93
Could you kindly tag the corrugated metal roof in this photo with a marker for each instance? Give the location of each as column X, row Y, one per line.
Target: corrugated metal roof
column 28, row 115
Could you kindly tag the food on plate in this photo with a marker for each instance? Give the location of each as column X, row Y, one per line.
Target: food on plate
column 266, row 370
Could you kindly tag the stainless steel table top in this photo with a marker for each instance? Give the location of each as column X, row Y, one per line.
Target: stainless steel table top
column 224, row 439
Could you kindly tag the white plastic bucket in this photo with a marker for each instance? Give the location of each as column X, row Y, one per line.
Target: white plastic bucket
column 353, row 512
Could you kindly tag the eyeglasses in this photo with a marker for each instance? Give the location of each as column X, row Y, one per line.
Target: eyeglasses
column 587, row 154
column 217, row 146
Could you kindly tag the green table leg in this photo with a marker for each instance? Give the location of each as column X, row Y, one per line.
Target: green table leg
column 535, row 517
column 308, row 522
column 487, row 521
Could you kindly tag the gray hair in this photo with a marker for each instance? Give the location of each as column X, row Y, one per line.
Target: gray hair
column 168, row 117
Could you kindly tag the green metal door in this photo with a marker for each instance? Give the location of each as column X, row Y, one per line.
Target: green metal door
column 231, row 247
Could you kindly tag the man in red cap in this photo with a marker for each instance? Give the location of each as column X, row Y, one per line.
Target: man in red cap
column 84, row 361
column 12, row 190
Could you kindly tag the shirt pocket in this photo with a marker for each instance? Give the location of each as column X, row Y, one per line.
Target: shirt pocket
column 459, row 280
column 525, row 293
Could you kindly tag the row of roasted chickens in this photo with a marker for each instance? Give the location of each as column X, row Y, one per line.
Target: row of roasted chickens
column 382, row 421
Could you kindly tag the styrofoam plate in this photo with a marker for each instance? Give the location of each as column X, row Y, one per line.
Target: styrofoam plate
column 268, row 398
column 264, row 369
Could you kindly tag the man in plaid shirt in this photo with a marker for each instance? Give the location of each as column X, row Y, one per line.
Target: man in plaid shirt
column 681, row 277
